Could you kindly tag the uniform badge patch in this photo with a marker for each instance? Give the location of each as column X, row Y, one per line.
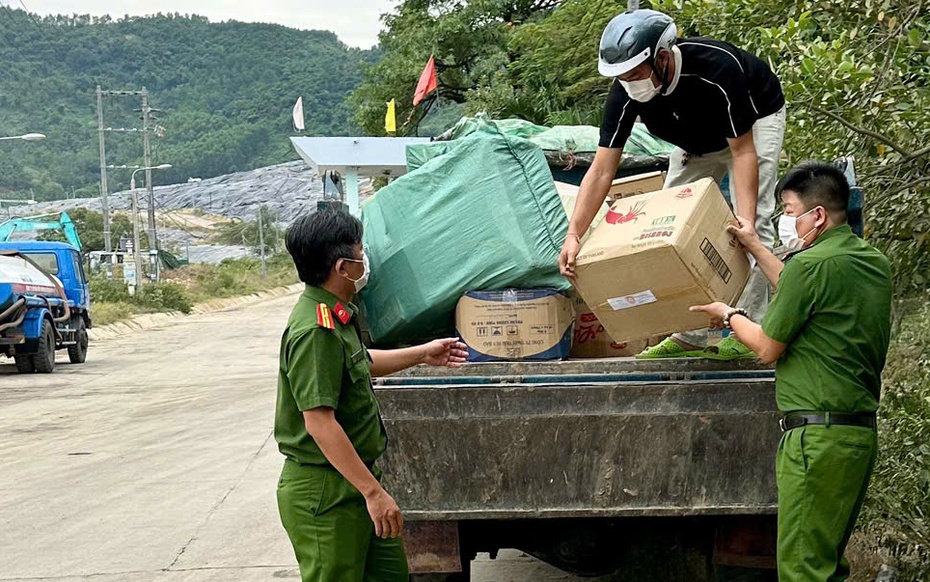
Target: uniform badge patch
column 324, row 317
column 342, row 314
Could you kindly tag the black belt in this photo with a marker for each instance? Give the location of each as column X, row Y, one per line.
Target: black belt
column 866, row 419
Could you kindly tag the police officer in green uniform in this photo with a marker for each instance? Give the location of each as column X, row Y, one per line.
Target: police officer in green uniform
column 828, row 329
column 343, row 525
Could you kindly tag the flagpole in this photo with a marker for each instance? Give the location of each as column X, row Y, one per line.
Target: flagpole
column 429, row 105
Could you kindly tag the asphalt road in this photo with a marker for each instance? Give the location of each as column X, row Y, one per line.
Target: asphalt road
column 154, row 461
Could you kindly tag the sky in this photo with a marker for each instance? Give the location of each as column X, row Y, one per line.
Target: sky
column 355, row 22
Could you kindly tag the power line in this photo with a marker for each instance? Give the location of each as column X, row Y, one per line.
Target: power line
column 42, row 31
column 31, row 17
column 169, row 215
column 25, row 60
column 15, row 24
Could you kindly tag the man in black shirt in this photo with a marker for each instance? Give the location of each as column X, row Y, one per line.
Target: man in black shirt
column 724, row 110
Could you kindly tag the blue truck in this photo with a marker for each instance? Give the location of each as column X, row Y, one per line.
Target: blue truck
column 44, row 297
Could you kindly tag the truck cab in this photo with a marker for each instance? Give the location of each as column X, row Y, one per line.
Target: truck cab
column 39, row 319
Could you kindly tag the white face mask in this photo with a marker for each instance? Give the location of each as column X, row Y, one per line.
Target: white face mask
column 642, row 90
column 788, row 231
column 363, row 280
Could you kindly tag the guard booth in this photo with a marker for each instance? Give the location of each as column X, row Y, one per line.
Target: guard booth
column 340, row 161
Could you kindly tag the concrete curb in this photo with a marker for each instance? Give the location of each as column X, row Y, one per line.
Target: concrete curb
column 151, row 320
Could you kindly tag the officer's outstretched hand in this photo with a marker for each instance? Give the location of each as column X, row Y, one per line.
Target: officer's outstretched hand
column 385, row 514
column 447, row 353
column 717, row 311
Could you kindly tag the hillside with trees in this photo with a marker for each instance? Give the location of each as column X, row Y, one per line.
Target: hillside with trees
column 224, row 90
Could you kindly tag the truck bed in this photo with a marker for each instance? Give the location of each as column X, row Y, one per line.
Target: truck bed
column 581, row 438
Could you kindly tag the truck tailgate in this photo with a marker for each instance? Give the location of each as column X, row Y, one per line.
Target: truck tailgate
column 605, row 438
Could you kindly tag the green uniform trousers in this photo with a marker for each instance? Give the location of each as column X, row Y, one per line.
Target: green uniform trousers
column 822, row 474
column 333, row 536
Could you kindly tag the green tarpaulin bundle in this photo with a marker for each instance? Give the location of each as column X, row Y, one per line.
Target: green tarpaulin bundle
column 564, row 146
column 481, row 214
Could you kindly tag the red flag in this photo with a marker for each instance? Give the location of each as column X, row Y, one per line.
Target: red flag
column 427, row 82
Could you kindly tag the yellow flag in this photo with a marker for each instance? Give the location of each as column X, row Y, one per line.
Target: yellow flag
column 390, row 118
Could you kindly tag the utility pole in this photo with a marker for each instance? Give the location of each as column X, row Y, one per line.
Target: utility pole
column 150, row 195
column 104, row 192
column 147, row 120
column 147, row 127
column 136, row 252
column 261, row 241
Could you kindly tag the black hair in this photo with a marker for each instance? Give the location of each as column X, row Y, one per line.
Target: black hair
column 818, row 184
column 316, row 241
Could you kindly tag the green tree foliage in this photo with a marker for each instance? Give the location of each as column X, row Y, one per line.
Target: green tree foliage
column 898, row 504
column 225, row 91
column 162, row 296
column 467, row 38
column 553, row 79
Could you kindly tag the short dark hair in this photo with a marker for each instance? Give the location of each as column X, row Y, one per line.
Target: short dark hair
column 316, row 241
column 818, row 184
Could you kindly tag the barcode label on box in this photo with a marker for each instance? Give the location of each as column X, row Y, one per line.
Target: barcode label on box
column 634, row 300
column 716, row 261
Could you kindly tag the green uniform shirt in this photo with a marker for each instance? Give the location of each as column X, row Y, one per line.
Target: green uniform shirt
column 833, row 310
column 323, row 367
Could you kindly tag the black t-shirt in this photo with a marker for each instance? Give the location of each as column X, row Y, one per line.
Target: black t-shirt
column 721, row 93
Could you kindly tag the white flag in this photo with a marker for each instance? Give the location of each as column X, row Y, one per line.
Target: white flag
column 299, row 114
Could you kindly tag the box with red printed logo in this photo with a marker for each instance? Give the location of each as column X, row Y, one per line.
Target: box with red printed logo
column 590, row 339
column 655, row 255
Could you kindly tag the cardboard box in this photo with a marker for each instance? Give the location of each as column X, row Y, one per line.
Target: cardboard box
column 590, row 339
column 657, row 254
column 620, row 188
column 568, row 193
column 635, row 185
column 515, row 324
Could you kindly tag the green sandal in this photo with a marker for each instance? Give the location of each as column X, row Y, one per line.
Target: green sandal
column 727, row 350
column 668, row 348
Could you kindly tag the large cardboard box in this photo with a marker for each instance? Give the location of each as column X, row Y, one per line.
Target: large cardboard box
column 515, row 324
column 657, row 254
column 635, row 185
column 590, row 339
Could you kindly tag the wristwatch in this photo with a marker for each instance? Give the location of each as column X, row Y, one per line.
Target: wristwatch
column 730, row 313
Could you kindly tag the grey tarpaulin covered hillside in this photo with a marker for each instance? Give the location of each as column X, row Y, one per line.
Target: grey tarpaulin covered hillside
column 289, row 189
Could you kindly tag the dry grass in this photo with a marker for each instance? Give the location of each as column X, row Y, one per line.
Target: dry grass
column 188, row 285
column 105, row 313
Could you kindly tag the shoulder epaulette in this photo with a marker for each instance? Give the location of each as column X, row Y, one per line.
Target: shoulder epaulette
column 324, row 317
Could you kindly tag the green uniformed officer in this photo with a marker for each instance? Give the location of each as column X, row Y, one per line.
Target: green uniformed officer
column 343, row 525
column 828, row 328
